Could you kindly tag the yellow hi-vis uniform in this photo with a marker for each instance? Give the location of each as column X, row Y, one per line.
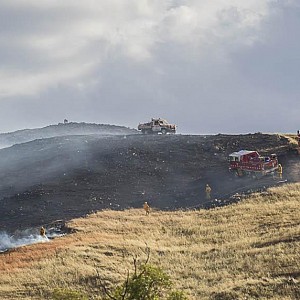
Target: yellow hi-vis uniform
column 207, row 191
column 146, row 208
column 43, row 231
column 279, row 171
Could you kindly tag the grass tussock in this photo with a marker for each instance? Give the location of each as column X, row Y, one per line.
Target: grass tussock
column 293, row 139
column 249, row 250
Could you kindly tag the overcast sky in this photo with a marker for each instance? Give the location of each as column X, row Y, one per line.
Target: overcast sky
column 209, row 66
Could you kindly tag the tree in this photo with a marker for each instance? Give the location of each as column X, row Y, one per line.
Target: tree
column 146, row 283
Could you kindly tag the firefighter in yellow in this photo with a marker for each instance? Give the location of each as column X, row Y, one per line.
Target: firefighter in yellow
column 207, row 191
column 43, row 232
column 146, row 208
column 279, row 171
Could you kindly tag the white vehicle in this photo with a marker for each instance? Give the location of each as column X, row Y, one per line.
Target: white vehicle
column 157, row 126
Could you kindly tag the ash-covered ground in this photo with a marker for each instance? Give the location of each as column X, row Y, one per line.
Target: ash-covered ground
column 64, row 177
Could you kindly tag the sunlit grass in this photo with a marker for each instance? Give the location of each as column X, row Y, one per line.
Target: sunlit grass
column 248, row 250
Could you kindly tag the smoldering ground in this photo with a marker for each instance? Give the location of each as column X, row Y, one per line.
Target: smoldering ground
column 20, row 238
column 67, row 177
column 29, row 236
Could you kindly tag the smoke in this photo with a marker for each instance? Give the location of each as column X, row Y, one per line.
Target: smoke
column 27, row 237
column 44, row 159
column 2, row 146
column 19, row 239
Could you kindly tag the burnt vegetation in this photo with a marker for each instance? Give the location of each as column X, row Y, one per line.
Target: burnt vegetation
column 69, row 176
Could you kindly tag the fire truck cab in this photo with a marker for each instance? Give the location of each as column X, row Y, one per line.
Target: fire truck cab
column 246, row 162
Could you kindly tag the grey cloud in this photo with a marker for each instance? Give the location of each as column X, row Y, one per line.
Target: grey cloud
column 208, row 67
column 275, row 63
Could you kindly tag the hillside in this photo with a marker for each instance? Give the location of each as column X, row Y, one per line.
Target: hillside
column 248, row 250
column 65, row 177
column 72, row 128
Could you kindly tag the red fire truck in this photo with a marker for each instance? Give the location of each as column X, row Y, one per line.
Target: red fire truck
column 246, row 162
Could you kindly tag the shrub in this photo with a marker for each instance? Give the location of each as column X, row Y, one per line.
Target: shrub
column 150, row 283
column 147, row 283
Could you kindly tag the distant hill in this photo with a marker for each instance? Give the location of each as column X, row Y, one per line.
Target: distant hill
column 72, row 128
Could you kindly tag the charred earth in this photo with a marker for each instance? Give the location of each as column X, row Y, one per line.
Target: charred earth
column 63, row 177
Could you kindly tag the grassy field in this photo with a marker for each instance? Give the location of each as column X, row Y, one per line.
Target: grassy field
column 249, row 250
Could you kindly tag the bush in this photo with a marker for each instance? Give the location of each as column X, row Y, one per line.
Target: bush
column 147, row 283
column 150, row 283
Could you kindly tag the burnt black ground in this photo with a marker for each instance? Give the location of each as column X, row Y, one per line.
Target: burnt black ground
column 66, row 177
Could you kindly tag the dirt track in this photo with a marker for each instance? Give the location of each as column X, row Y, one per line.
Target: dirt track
column 67, row 177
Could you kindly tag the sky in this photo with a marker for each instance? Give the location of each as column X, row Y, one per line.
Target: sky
column 217, row 66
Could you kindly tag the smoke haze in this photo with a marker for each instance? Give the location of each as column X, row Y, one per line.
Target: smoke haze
column 19, row 239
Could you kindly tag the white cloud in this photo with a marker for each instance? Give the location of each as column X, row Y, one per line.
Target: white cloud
column 147, row 57
column 61, row 38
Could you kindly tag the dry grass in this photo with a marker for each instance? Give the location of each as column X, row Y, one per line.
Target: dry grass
column 249, row 250
column 293, row 139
